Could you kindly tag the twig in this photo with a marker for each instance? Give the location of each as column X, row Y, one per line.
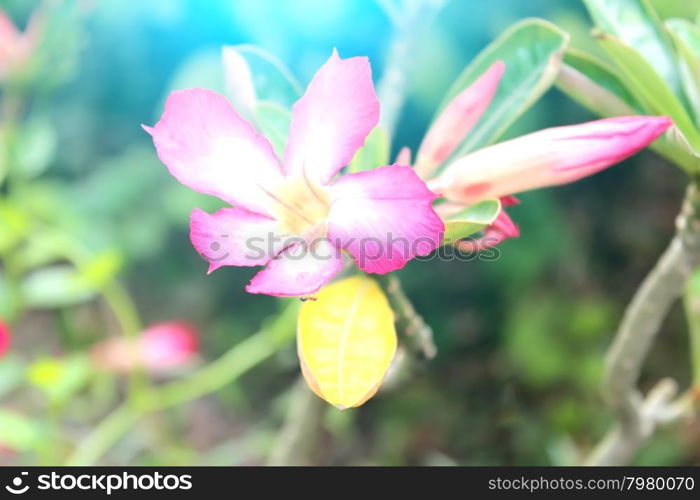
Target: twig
column 299, row 431
column 640, row 324
column 238, row 360
column 691, row 304
column 408, row 320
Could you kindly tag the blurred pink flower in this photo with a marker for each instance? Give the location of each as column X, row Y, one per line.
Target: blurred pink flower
column 168, row 345
column 4, row 338
column 296, row 211
column 549, row 157
column 16, row 47
column 163, row 347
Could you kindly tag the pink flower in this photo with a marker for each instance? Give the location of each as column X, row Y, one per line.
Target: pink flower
column 4, row 338
column 163, row 347
column 16, row 47
column 546, row 158
column 168, row 345
column 294, row 217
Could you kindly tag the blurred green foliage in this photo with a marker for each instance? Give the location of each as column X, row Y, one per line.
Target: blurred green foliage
column 521, row 339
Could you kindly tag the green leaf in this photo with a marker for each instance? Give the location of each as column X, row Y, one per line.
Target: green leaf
column 597, row 87
column 60, row 379
column 11, row 374
column 648, row 87
column 14, row 225
column 471, row 220
column 374, row 153
column 203, row 69
column 10, row 301
column 56, row 286
column 101, row 269
column 17, row 431
column 273, row 120
column 43, row 248
column 532, row 51
column 686, row 36
column 636, row 23
column 36, row 147
column 272, row 80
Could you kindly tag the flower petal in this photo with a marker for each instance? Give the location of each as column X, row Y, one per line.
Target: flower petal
column 300, row 269
column 457, row 120
column 331, row 121
column 383, row 218
column 209, row 148
column 234, row 237
column 546, row 158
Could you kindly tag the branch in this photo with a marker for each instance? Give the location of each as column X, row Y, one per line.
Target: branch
column 238, row 360
column 408, row 320
column 638, row 417
column 300, row 429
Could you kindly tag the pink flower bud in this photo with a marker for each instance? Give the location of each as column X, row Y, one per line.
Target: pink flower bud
column 457, row 120
column 546, row 158
column 161, row 348
column 168, row 345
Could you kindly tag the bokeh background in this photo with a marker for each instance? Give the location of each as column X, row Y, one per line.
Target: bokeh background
column 521, row 339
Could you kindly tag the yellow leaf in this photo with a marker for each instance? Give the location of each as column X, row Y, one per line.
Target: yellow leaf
column 346, row 340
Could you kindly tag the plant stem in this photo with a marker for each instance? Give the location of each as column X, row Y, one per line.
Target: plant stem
column 299, row 430
column 637, row 331
column 408, row 320
column 238, row 360
column 234, row 363
column 691, row 305
column 127, row 315
column 121, row 305
column 104, row 436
